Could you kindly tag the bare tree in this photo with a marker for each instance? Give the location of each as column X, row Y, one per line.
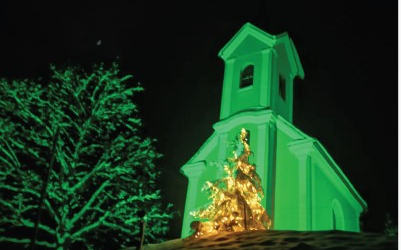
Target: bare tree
column 104, row 170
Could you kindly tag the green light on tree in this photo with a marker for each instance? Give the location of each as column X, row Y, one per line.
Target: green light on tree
column 104, row 171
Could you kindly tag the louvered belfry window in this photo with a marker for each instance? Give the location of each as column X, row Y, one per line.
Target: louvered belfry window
column 246, row 76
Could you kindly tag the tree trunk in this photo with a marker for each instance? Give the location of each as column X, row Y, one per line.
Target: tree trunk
column 44, row 188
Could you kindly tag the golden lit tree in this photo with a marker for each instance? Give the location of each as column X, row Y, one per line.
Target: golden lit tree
column 235, row 198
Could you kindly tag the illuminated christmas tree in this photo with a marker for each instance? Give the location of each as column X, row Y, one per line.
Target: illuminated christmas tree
column 235, row 198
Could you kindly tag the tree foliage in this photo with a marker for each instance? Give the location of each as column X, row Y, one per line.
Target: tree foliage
column 104, row 172
column 390, row 227
column 234, row 199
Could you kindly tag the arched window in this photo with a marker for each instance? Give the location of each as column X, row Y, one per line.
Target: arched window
column 246, row 77
column 281, row 87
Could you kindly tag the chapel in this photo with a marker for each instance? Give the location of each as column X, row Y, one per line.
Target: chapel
column 304, row 188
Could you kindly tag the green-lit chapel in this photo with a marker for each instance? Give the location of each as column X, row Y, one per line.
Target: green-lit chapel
column 303, row 186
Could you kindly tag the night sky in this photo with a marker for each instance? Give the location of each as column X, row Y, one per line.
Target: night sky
column 348, row 49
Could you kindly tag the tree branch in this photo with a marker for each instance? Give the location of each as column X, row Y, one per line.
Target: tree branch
column 90, row 227
column 85, row 83
column 27, row 241
column 64, row 164
column 7, row 204
column 88, row 205
column 33, row 116
column 18, row 190
column 52, row 211
column 19, row 222
column 5, row 161
column 58, row 111
column 10, row 153
column 99, row 165
column 114, row 226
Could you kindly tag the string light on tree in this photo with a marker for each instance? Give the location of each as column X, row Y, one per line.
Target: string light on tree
column 235, row 198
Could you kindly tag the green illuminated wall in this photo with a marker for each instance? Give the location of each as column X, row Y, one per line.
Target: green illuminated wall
column 304, row 188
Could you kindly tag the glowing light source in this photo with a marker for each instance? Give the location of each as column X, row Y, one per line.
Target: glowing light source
column 235, row 198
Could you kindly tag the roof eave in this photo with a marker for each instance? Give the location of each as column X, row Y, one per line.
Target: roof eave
column 246, row 29
column 293, row 57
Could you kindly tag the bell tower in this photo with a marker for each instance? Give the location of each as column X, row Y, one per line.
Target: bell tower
column 259, row 72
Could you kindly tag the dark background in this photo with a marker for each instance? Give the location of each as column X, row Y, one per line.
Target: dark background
column 348, row 49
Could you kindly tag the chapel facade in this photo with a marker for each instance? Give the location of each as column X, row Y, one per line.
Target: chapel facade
column 304, row 189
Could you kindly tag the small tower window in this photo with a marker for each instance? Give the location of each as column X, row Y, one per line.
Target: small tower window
column 281, row 87
column 246, row 77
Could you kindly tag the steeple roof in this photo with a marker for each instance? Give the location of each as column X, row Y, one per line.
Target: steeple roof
column 250, row 38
